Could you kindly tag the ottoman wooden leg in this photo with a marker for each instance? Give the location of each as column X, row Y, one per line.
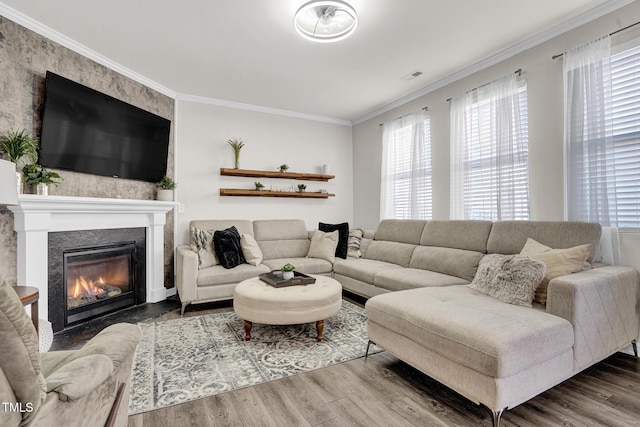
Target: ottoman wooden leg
column 247, row 330
column 320, row 328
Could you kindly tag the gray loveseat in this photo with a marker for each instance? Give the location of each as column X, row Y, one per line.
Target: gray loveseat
column 281, row 241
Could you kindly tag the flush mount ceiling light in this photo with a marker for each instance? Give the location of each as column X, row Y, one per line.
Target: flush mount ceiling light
column 325, row 21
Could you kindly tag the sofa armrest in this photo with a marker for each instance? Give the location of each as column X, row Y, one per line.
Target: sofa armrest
column 80, row 377
column 186, row 273
column 601, row 305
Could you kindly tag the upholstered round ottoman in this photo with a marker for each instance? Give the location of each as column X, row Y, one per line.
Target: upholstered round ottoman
column 259, row 302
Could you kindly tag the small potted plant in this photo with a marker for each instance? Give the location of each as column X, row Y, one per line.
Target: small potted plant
column 19, row 147
column 284, row 167
column 287, row 271
column 236, row 145
column 258, row 185
column 302, row 187
column 165, row 189
column 41, row 177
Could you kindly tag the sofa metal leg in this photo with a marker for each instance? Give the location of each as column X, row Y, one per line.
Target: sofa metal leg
column 366, row 354
column 635, row 347
column 496, row 416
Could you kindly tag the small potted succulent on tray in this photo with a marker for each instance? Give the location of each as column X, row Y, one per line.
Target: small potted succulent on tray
column 287, row 271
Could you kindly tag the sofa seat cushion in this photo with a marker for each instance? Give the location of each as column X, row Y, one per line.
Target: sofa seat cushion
column 362, row 269
column 410, row 278
column 303, row 265
column 477, row 331
column 218, row 275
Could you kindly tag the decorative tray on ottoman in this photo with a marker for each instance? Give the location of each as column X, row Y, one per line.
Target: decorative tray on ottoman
column 274, row 278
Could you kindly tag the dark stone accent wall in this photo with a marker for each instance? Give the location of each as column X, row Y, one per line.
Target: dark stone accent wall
column 63, row 240
column 25, row 56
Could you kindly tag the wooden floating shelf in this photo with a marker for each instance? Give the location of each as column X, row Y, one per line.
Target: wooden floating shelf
column 271, row 174
column 266, row 193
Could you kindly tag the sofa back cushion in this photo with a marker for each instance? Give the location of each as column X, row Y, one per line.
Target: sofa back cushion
column 282, row 238
column 454, row 262
column 457, row 234
column 509, row 237
column 393, row 252
column 243, row 226
column 400, row 230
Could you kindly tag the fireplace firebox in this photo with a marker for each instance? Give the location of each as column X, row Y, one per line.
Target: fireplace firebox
column 98, row 280
column 94, row 272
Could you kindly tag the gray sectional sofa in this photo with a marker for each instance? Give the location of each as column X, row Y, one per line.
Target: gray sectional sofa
column 419, row 308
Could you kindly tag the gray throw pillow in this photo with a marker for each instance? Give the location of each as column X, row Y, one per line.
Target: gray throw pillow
column 510, row 278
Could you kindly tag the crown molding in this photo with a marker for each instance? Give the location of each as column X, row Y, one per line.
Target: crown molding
column 569, row 25
column 261, row 109
column 43, row 30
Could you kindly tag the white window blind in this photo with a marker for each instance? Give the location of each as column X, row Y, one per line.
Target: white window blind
column 603, row 136
column 405, row 191
column 489, row 152
column 625, row 119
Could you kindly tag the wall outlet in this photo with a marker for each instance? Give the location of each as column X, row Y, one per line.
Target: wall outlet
column 181, row 208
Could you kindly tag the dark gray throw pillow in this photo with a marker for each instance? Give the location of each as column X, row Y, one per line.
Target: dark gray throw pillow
column 343, row 236
column 227, row 246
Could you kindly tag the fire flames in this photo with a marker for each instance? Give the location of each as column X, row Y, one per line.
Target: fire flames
column 85, row 287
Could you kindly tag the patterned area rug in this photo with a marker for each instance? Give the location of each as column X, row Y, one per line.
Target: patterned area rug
column 194, row 357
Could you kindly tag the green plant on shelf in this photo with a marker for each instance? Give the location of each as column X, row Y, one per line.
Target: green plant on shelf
column 259, row 185
column 18, row 144
column 283, row 167
column 38, row 174
column 166, row 183
column 236, row 144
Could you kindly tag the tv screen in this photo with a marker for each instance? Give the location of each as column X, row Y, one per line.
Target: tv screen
column 86, row 131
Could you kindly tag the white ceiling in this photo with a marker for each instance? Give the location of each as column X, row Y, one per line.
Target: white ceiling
column 247, row 51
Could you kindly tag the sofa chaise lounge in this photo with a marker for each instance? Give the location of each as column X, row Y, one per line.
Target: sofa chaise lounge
column 495, row 354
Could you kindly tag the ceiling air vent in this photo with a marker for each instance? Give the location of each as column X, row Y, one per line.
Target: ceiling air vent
column 412, row 75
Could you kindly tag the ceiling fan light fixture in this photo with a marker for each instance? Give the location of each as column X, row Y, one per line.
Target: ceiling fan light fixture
column 325, row 21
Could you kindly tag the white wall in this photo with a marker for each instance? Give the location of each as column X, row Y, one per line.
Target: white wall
column 546, row 122
column 270, row 140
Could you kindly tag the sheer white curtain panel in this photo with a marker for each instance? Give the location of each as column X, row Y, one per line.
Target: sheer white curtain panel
column 489, row 152
column 590, row 168
column 405, row 191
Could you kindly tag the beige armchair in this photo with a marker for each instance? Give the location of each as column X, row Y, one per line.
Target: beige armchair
column 86, row 387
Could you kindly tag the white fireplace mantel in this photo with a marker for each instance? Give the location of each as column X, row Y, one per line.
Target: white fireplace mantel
column 36, row 216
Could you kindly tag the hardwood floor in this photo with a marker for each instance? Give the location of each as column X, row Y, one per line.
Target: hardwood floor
column 383, row 391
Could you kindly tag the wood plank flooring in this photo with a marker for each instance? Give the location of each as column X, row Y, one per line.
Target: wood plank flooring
column 383, row 391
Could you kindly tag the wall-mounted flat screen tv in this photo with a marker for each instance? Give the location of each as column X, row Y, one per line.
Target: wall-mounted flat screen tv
column 86, row 131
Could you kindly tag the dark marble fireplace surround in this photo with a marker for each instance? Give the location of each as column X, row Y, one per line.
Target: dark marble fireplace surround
column 60, row 241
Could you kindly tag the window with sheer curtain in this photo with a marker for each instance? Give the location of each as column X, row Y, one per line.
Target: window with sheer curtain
column 489, row 152
column 602, row 134
column 405, row 191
